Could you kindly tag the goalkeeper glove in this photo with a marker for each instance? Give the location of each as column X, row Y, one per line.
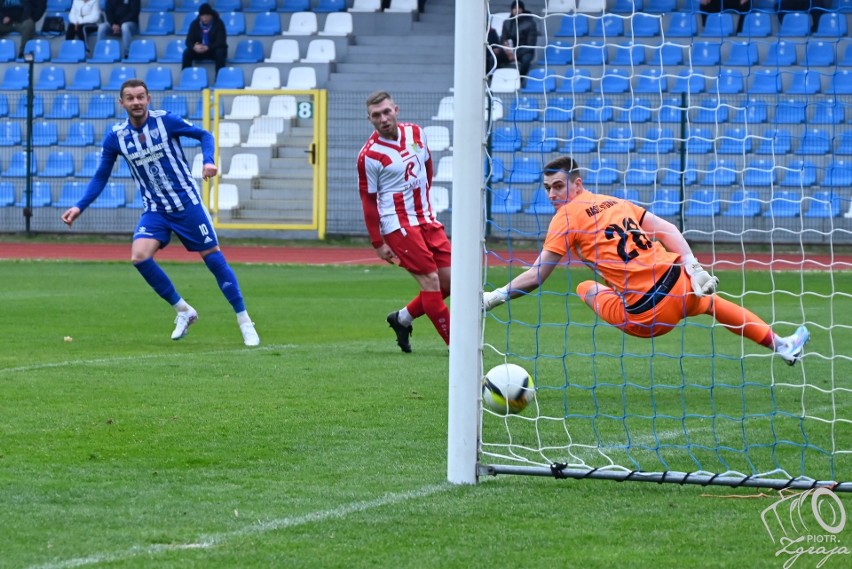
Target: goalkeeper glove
column 703, row 283
column 495, row 298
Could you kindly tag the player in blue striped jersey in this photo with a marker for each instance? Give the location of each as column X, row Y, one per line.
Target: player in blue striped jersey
column 149, row 142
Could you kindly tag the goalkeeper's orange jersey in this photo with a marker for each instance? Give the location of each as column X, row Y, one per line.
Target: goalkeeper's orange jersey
column 606, row 233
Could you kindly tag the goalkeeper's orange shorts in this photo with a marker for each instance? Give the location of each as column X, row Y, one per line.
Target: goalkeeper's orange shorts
column 653, row 313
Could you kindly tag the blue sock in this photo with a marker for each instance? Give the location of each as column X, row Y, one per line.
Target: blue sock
column 226, row 278
column 159, row 280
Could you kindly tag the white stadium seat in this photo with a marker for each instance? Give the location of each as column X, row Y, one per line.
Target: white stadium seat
column 243, row 167
column 445, row 109
column 437, row 137
column 440, row 198
column 229, row 197
column 337, row 24
column 320, row 51
column 366, row 6
column 402, row 6
column 283, row 106
column 244, row 107
column 264, row 132
column 302, row 78
column 445, row 170
column 505, row 80
column 283, row 51
column 265, row 78
column 301, row 24
column 229, row 134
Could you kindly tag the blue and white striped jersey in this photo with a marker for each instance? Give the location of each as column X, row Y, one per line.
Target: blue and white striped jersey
column 156, row 159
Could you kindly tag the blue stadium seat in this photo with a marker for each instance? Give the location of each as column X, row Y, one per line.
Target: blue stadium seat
column 525, row 170
column 190, row 5
column 263, row 6
column 706, row 53
column 326, row 6
column 573, row 26
column 672, row 175
column 51, row 78
column 602, row 171
column 765, row 81
column 41, row 196
column 20, row 111
column 844, row 146
column 160, row 78
column 795, row 24
column 628, row 194
column 71, row 51
column 845, row 53
column 15, row 78
column 781, row 54
column 118, row 75
column 804, row 83
column 650, row 80
column 712, row 111
column 627, row 6
column 161, row 6
column 106, row 51
column 784, row 203
column 578, row 81
column 734, row 141
column 718, row 25
column 659, row 141
column 595, row 110
column 814, row 142
column 183, row 29
column 688, row 81
column 670, row 110
column 10, row 133
column 619, row 140
column 70, row 193
column 39, row 48
column 754, row 112
column 645, row 25
column 538, row 82
column 495, row 169
column 142, row 51
column 4, row 106
column 506, row 200
column 540, row 204
column 660, row 6
column 89, row 165
column 757, row 24
column 8, row 50
column 682, row 25
column 615, row 81
column 831, row 25
column 699, row 140
column 642, row 172
column 523, row 109
column 607, row 26
column 790, row 111
column 559, row 109
column 235, row 23
column 59, row 5
column 230, row 78
column 557, row 52
column 65, row 106
column 122, row 170
column 629, row 54
column 160, row 24
column 113, row 196
column 136, row 202
column 823, row 204
column 841, row 83
column 173, row 52
column 45, row 133
column 729, row 82
column 175, row 104
column 743, row 204
column 266, row 24
column 776, row 141
column 592, row 53
column 667, row 54
column 79, row 134
column 839, row 174
column 800, row 174
column 17, row 167
column 759, row 173
column 703, row 203
column 580, row 140
column 638, row 112
column 100, row 107
column 293, row 6
column 541, row 140
column 505, row 139
column 7, row 194
column 742, row 53
column 248, row 51
column 819, row 54
column 722, row 173
column 192, row 79
column 59, row 164
column 665, row 202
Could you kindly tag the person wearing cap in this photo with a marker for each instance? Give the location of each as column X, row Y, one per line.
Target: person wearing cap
column 122, row 20
column 520, row 35
column 206, row 39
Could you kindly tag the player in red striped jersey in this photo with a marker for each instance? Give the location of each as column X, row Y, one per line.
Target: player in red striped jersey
column 394, row 180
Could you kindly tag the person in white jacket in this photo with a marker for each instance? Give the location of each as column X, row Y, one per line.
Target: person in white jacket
column 84, row 14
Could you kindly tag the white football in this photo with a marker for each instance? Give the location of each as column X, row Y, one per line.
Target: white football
column 507, row 389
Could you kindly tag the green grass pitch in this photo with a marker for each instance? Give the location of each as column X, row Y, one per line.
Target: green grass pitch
column 325, row 447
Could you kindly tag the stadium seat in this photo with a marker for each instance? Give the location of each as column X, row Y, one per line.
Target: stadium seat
column 572, row 26
column 159, row 24
column 243, row 166
column 706, row 53
column 495, row 171
column 15, row 78
column 594, row 110
column 743, row 204
column 338, row 24
column 326, row 6
column 228, row 197
column 729, row 82
column 722, row 173
column 70, row 193
column 230, row 78
column 658, row 141
column 602, row 171
column 121, row 170
column 190, row 5
column 51, row 78
column 638, row 112
column 814, row 142
column 781, row 54
column 645, row 25
column 776, row 141
column 113, row 196
column 642, row 172
column 541, row 140
column 320, row 51
column 682, row 25
column 804, row 83
column 592, row 53
column 699, row 140
column 650, row 81
column 540, row 204
column 40, row 49
column 160, row 6
column 580, row 140
column 244, row 107
column 735, row 141
column 4, row 105
column 667, row 54
column 754, row 112
column 282, row 106
column 784, row 203
column 718, row 25
column 703, row 203
column 505, row 200
column 248, row 51
column 578, row 81
column 742, row 53
column 831, row 25
column 235, row 23
column 290, row 6
column 118, row 75
column 711, row 111
column 17, row 165
column 64, row 106
column 229, row 135
column 823, row 204
column 301, row 78
column 844, row 146
column 839, row 174
column 629, row 54
column 284, row 51
column 262, row 6
column 160, row 78
column 106, row 51
column 672, row 176
column 505, row 80
column 670, row 110
column 20, row 111
column 302, row 24
column 70, row 51
column 819, row 54
column 790, row 111
column 192, row 79
column 89, row 165
column 795, row 24
column 445, row 109
column 265, row 78
column 524, row 108
column 665, row 202
column 618, row 140
column 615, row 81
column 630, row 195
column 759, row 173
column 505, row 139
column 559, row 109
column 7, row 194
column 444, row 170
column 183, row 29
column 538, row 82
column 8, row 50
column 841, row 83
column 799, row 174
column 59, row 164
column 410, row 6
column 142, row 51
column 100, row 106
column 525, row 170
column 41, row 194
column 557, row 52
column 438, row 137
column 765, row 82
column 173, row 52
column 266, row 24
column 45, row 133
column 175, row 104
column 660, row 6
column 687, row 81
column 607, row 26
column 757, row 24
column 79, row 134
column 10, row 133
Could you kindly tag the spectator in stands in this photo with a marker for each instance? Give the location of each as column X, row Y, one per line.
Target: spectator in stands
column 649, row 279
column 495, row 55
column 814, row 7
column 742, row 7
column 520, row 34
column 84, row 15
column 20, row 16
column 207, row 38
column 122, row 20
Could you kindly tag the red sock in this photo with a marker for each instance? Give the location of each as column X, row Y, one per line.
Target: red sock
column 415, row 307
column 436, row 310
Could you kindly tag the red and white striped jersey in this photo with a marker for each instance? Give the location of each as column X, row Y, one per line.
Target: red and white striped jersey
column 394, row 180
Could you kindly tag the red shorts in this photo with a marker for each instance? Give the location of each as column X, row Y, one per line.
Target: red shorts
column 421, row 249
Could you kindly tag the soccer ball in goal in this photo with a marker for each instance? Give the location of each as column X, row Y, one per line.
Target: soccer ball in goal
column 507, row 389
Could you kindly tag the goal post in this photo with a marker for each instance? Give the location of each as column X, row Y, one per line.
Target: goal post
column 748, row 163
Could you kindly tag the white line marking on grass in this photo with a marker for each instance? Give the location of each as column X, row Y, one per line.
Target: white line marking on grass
column 206, row 542
column 162, row 356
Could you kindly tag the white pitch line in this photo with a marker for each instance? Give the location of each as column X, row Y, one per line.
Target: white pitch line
column 206, row 542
